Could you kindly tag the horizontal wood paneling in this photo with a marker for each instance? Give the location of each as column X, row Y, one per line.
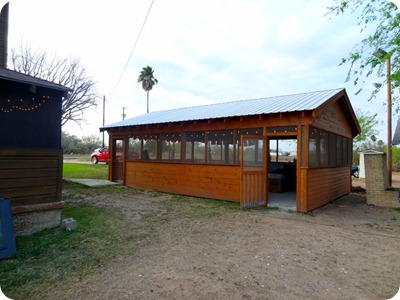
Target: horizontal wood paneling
column 30, row 176
column 27, row 182
column 327, row 184
column 208, row 181
column 333, row 119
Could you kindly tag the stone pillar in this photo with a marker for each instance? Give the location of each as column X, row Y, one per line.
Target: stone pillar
column 377, row 182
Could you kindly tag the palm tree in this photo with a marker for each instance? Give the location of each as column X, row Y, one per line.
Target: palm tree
column 147, row 79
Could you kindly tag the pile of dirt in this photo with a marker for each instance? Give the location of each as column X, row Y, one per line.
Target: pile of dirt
column 358, row 189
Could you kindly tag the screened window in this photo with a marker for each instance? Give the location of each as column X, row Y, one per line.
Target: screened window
column 150, row 147
column 323, row 148
column 239, row 133
column 303, row 146
column 332, row 149
column 345, row 152
column 119, row 149
column 193, row 146
column 171, row 146
column 253, row 151
column 350, row 151
column 328, row 149
column 312, row 148
column 339, row 149
column 220, row 147
column 134, row 148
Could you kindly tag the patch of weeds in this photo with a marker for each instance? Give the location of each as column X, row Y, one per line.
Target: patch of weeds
column 202, row 208
column 155, row 194
column 75, row 185
column 50, row 255
column 112, row 189
column 178, row 197
column 119, row 189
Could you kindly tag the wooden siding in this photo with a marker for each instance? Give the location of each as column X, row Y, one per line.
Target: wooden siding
column 30, row 176
column 322, row 185
column 208, row 181
column 254, row 188
column 333, row 119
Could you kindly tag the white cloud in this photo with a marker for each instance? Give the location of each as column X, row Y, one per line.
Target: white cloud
column 202, row 52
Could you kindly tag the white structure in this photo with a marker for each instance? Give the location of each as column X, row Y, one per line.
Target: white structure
column 361, row 167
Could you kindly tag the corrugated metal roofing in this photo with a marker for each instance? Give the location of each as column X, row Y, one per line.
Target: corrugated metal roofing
column 12, row 75
column 269, row 105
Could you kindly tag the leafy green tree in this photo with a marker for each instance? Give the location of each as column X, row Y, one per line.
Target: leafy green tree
column 379, row 22
column 396, row 158
column 91, row 142
column 146, row 77
column 367, row 140
column 72, row 144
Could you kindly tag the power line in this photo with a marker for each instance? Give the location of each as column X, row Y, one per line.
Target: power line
column 133, row 49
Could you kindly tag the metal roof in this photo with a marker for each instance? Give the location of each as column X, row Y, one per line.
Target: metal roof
column 269, row 105
column 11, row 75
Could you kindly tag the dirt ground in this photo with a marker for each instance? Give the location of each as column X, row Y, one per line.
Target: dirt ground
column 344, row 250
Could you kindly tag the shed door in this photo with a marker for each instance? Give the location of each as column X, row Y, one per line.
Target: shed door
column 253, row 166
column 117, row 160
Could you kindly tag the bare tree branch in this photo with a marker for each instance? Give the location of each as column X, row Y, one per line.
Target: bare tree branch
column 67, row 72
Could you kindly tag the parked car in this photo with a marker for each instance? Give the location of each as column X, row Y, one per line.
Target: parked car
column 99, row 155
column 354, row 171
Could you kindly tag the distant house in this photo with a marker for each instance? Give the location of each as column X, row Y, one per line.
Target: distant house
column 30, row 145
column 222, row 151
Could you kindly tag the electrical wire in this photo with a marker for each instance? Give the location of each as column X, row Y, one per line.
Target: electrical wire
column 133, row 49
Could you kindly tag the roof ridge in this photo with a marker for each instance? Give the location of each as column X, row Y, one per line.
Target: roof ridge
column 244, row 100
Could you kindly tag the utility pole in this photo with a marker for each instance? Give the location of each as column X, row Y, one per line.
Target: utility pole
column 104, row 115
column 123, row 113
column 382, row 54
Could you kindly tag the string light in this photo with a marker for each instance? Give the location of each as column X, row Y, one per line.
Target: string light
column 12, row 105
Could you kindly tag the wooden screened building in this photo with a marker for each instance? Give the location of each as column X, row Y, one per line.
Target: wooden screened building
column 239, row 151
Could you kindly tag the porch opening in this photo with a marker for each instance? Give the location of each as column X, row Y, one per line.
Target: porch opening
column 282, row 172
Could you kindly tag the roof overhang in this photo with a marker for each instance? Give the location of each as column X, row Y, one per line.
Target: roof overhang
column 31, row 82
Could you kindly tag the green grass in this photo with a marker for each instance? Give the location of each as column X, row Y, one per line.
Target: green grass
column 202, row 208
column 45, row 258
column 99, row 171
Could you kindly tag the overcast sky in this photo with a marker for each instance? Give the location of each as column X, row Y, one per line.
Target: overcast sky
column 202, row 52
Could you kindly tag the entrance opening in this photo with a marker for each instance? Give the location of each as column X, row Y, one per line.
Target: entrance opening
column 282, row 168
column 117, row 160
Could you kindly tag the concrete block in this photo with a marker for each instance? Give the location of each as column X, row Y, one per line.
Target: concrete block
column 29, row 223
column 69, row 224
